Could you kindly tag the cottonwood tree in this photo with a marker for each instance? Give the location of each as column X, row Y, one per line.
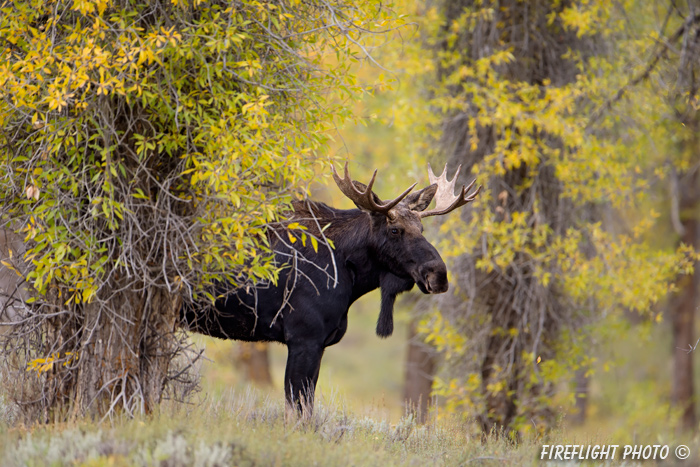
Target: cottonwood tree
column 655, row 104
column 671, row 72
column 524, row 91
column 145, row 147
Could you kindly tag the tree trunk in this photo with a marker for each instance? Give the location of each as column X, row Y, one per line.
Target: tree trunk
column 517, row 313
column 123, row 366
column 683, row 313
column 420, row 373
column 252, row 358
column 13, row 291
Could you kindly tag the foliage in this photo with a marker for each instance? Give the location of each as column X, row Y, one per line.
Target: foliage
column 634, row 380
column 146, row 146
column 214, row 93
column 561, row 236
column 562, row 111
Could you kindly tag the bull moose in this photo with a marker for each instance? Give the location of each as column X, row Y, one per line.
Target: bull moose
column 380, row 244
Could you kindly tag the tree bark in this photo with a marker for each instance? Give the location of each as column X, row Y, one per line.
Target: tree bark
column 518, row 313
column 421, row 364
column 122, row 366
column 683, row 313
column 13, row 291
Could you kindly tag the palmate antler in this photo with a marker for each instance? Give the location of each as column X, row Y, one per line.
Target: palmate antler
column 445, row 199
column 365, row 199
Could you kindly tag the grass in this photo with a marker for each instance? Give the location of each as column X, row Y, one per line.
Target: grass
column 249, row 429
column 358, row 418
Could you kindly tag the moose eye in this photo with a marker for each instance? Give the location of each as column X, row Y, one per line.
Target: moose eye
column 394, row 231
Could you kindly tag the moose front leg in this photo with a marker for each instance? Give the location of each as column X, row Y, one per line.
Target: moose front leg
column 301, row 375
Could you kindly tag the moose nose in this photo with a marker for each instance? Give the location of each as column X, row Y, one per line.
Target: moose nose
column 434, row 275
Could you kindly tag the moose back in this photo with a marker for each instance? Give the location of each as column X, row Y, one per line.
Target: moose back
column 380, row 244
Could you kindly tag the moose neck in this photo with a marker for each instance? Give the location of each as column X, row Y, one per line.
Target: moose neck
column 352, row 238
column 351, row 232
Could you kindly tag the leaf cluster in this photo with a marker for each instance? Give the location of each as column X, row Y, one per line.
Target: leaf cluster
column 146, row 148
column 555, row 109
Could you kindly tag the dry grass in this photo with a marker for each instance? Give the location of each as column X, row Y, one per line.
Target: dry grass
column 247, row 429
column 244, row 426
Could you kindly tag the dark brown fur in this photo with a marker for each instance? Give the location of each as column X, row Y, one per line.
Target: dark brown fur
column 307, row 309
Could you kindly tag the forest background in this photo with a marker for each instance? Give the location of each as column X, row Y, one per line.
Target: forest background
column 573, row 296
column 587, row 129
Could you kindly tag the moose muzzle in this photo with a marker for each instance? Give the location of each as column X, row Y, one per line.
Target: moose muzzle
column 432, row 277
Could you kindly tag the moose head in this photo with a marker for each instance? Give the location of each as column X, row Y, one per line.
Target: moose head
column 396, row 236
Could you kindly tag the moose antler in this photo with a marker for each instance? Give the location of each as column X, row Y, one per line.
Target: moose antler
column 445, row 199
column 365, row 199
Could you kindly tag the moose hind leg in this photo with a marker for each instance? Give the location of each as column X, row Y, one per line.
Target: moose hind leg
column 301, row 375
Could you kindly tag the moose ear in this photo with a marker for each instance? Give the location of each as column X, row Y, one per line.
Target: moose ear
column 362, row 187
column 420, row 200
